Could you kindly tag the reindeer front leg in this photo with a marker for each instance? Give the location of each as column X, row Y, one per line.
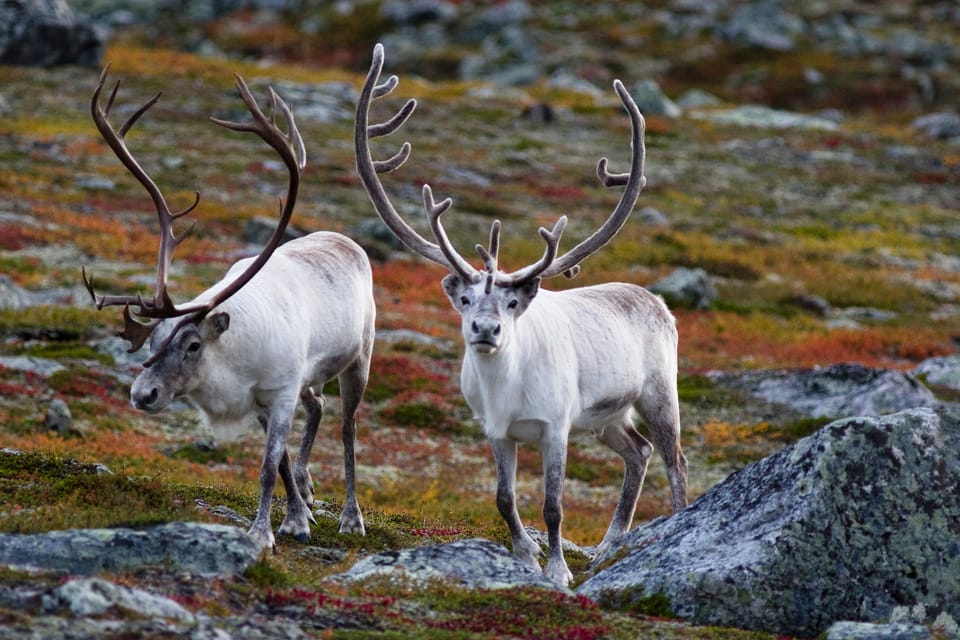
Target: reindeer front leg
column 524, row 548
column 276, row 458
column 554, row 465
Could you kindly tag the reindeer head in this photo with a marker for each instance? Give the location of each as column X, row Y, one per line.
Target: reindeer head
column 178, row 334
column 488, row 308
column 176, row 370
column 489, row 301
column 488, row 314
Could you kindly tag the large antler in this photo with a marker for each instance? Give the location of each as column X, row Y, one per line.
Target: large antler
column 291, row 149
column 635, row 181
column 443, row 253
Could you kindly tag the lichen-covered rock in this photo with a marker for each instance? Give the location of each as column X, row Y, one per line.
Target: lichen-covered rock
column 850, row 523
column 475, row 563
column 96, row 596
column 685, row 287
column 943, row 371
column 870, row 631
column 12, row 296
column 836, row 391
column 46, row 33
column 651, row 100
column 59, row 419
column 205, row 549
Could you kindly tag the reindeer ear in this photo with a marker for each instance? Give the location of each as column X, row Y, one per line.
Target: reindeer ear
column 452, row 286
column 215, row 325
column 528, row 290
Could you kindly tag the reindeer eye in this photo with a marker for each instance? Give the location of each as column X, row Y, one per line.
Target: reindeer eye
column 193, row 347
column 512, row 304
column 465, row 301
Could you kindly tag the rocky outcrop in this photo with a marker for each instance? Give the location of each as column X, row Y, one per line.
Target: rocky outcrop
column 855, row 522
column 205, row 549
column 96, row 596
column 46, row 33
column 474, row 563
column 835, row 391
column 943, row 372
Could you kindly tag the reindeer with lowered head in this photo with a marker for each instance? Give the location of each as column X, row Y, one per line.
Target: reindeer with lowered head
column 543, row 365
column 271, row 332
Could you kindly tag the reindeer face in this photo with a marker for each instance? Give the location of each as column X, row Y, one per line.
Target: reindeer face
column 488, row 313
column 174, row 372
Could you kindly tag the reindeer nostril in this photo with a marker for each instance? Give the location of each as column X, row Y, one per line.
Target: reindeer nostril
column 474, row 327
column 152, row 398
column 496, row 330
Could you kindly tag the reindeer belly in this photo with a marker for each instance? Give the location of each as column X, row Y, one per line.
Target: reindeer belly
column 526, row 430
column 599, row 413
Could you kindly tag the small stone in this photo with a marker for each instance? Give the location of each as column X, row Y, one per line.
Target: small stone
column 692, row 288
column 59, row 419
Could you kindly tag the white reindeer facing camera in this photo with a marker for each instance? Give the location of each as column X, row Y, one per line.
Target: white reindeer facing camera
column 270, row 334
column 543, row 365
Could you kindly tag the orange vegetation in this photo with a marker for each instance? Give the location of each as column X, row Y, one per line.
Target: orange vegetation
column 713, row 340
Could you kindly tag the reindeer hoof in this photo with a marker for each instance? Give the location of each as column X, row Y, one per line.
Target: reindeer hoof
column 264, row 539
column 351, row 520
column 558, row 573
column 299, row 532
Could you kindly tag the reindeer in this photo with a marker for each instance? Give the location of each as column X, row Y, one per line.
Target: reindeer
column 274, row 329
column 541, row 365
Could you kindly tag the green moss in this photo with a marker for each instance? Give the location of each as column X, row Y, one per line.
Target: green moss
column 802, row 428
column 202, row 452
column 70, row 349
column 383, row 531
column 61, row 322
column 83, row 382
column 947, row 394
column 427, row 415
column 636, row 600
column 694, row 388
column 522, row 612
column 40, row 493
column 264, row 574
column 581, row 470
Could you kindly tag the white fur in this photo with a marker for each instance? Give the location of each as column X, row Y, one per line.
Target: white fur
column 306, row 317
column 561, row 363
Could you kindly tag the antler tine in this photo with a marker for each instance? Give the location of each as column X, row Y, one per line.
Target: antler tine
column 388, row 85
column 434, row 211
column 290, row 146
column 88, row 282
column 368, row 170
column 136, row 332
column 394, row 123
column 291, row 149
column 160, row 306
column 552, row 240
column 293, row 133
column 568, row 263
column 395, row 161
column 491, row 255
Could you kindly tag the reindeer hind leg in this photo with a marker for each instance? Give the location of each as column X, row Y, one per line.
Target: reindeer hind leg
column 353, row 382
column 635, row 450
column 660, row 409
column 313, row 403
